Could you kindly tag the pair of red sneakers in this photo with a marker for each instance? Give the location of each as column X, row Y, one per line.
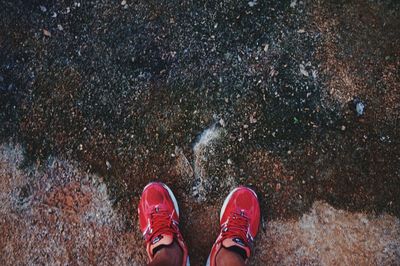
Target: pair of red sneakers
column 159, row 219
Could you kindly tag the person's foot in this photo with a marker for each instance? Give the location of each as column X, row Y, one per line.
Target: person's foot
column 159, row 218
column 239, row 220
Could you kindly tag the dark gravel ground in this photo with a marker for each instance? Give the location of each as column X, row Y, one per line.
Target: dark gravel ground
column 117, row 88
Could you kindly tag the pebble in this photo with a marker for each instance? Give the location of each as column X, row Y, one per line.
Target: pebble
column 252, row 3
column 253, row 119
column 46, row 33
column 60, row 28
column 222, row 122
column 303, row 70
column 360, row 108
column 123, row 2
column 108, row 165
column 43, row 8
column 343, row 128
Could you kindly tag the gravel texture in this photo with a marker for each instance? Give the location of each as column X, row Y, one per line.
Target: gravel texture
column 301, row 99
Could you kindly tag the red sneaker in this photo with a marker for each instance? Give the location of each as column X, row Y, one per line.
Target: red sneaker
column 239, row 220
column 159, row 218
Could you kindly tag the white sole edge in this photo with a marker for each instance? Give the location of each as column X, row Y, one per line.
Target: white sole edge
column 171, row 194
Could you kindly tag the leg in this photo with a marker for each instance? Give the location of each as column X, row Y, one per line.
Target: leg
column 226, row 257
column 168, row 256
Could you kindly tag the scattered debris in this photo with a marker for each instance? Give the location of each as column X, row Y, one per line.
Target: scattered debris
column 253, row 118
column 359, row 106
column 46, row 33
column 303, row 70
column 252, row 3
column 266, row 46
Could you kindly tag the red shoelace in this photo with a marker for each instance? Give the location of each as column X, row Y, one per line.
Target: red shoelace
column 237, row 227
column 160, row 223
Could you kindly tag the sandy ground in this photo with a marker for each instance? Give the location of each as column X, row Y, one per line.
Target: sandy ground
column 59, row 215
column 297, row 99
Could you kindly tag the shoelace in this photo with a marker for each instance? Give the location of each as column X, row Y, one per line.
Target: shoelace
column 160, row 223
column 237, row 227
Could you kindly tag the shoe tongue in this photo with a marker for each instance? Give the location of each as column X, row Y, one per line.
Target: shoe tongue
column 237, row 242
column 162, row 239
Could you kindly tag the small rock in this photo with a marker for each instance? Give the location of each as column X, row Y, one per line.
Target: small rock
column 43, row 8
column 278, row 187
column 229, row 161
column 303, row 70
column 54, row 15
column 343, row 128
column 252, row 3
column 123, row 2
column 293, row 3
column 253, row 119
column 360, row 108
column 60, row 28
column 266, row 48
column 222, row 122
column 46, row 33
column 108, row 165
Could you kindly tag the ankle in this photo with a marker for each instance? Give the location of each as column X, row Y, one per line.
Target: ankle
column 227, row 256
column 168, row 255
